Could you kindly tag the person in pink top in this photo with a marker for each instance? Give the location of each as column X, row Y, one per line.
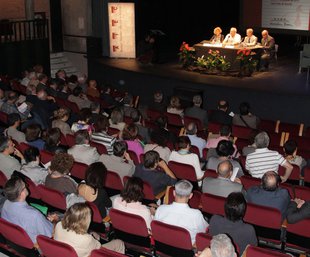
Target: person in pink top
column 130, row 201
column 130, row 134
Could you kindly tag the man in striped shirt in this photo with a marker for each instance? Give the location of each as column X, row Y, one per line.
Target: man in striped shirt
column 263, row 159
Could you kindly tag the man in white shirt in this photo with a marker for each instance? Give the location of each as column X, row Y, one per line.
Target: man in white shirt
column 180, row 214
column 233, row 38
column 250, row 39
column 191, row 132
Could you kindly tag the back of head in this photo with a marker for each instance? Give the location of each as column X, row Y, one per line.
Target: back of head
column 223, row 105
column 82, row 137
column 117, row 116
column 119, row 148
column 161, row 121
column 225, row 148
column 224, row 169
column 244, row 108
column 197, row 100
column 31, row 154
column 61, row 113
column 13, row 188
column 77, row 218
column 128, row 98
column 158, row 97
column 95, row 106
column 151, row 158
column 270, row 181
column 183, row 188
column 53, row 136
column 235, row 206
column 77, row 91
column 12, row 96
column 85, row 114
column 290, row 147
column 62, row 163
column 95, row 175
column 4, row 142
column 130, row 132
column 262, row 140
column 221, row 246
column 135, row 115
column 12, row 118
column 33, row 132
column 133, row 190
column 175, row 102
column 102, row 123
column 191, row 128
column 183, row 142
column 158, row 137
column 225, row 131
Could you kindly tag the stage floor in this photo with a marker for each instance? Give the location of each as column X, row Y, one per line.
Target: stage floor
column 282, row 77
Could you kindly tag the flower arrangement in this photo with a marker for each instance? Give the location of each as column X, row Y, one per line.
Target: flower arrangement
column 186, row 55
column 247, row 61
column 213, row 62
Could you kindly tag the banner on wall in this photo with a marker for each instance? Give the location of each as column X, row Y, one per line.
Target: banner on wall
column 286, row 14
column 122, row 30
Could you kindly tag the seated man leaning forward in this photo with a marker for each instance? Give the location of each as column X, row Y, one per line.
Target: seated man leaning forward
column 180, row 214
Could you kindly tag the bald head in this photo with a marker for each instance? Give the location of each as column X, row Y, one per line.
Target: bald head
column 270, row 181
column 191, row 129
column 265, row 34
column 233, row 31
column 224, row 169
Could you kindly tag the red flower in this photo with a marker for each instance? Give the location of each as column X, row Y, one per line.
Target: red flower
column 186, row 47
column 210, row 51
column 239, row 51
column 217, row 51
column 248, row 52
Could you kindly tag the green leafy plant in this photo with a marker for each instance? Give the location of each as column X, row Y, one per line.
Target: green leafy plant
column 248, row 62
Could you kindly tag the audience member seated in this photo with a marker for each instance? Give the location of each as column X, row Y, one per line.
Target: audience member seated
column 184, row 156
column 33, row 136
column 82, row 151
column 290, row 153
column 196, row 111
column 79, row 98
column 268, row 44
column 269, row 193
column 191, row 132
column 225, row 134
column 142, row 130
column 251, row 147
column 13, row 129
column 32, row 168
column 221, row 114
column 10, row 106
column 8, row 164
column 220, row 246
column 108, row 98
column 84, row 121
column 95, row 112
column 17, row 211
column 58, row 177
column 73, row 81
column 43, row 79
column 52, row 141
column 232, row 224
column 224, row 151
column 101, row 136
column 117, row 119
column 61, row 117
column 159, row 180
column 92, row 188
column 128, row 105
column 130, row 134
column 158, row 102
column 162, row 124
column 2, row 97
column 180, row 214
column 120, row 161
column 81, row 82
column 92, row 89
column 61, row 74
column 159, row 145
column 73, row 230
column 298, row 210
column 250, row 39
column 263, row 159
column 217, row 37
column 130, row 200
column 233, row 38
column 245, row 118
column 175, row 106
column 222, row 185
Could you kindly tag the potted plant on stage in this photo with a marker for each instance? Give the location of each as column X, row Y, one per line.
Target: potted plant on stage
column 186, row 55
column 248, row 62
column 214, row 63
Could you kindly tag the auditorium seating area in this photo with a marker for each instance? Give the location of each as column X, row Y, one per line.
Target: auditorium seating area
column 276, row 236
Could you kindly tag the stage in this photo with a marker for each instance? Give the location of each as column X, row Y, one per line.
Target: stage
column 280, row 93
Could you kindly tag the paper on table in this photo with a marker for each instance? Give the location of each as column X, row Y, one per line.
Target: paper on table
column 234, row 175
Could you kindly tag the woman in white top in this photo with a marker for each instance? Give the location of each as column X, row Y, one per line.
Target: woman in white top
column 130, row 200
column 175, row 106
column 73, row 230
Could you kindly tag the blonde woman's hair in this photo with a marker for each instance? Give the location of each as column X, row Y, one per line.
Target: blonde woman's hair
column 175, row 102
column 217, row 28
column 77, row 218
column 61, row 112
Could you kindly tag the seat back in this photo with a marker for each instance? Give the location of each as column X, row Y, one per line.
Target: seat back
column 72, row 106
column 113, row 181
column 214, row 127
column 113, row 131
column 153, row 114
column 241, row 132
column 104, row 252
column 130, row 228
column 4, row 118
column 183, row 171
column 96, row 217
column 212, row 204
column 194, row 149
column 46, row 156
column 189, row 119
column 307, row 175
column 15, row 234
column 79, row 170
column 51, row 247
column 174, row 119
column 299, row 234
column 210, row 174
column 194, row 202
column 295, row 175
column 100, row 147
column 302, row 192
column 33, row 191
column 70, row 140
column 292, row 129
column 172, row 240
column 3, row 179
column 203, row 240
column 248, row 181
column 22, row 147
column 267, row 125
column 52, row 197
column 254, row 251
column 133, row 157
